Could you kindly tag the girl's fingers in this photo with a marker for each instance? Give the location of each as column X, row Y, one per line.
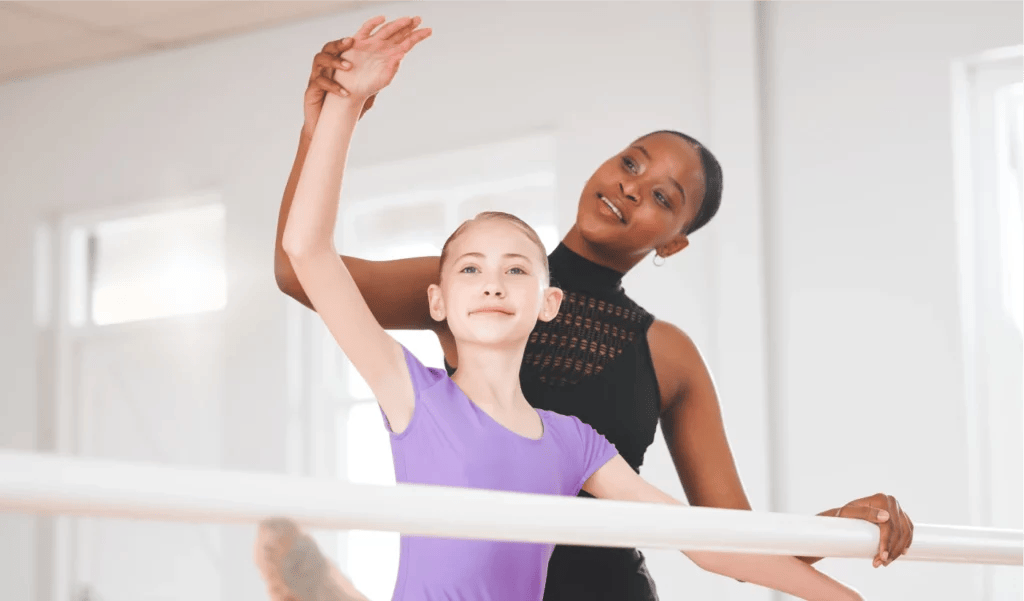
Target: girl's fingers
column 415, row 38
column 388, row 30
column 367, row 29
column 400, row 35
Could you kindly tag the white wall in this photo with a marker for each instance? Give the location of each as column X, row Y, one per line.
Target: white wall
column 866, row 355
column 863, row 362
column 18, row 419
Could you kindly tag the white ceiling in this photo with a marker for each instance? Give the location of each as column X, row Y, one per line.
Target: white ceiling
column 41, row 37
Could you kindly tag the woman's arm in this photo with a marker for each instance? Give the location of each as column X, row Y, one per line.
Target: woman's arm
column 616, row 480
column 321, row 84
column 308, row 238
column 396, row 291
column 691, row 421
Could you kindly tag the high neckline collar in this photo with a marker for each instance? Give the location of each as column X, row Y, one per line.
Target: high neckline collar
column 570, row 270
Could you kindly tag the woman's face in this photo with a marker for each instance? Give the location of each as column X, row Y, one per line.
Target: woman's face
column 642, row 199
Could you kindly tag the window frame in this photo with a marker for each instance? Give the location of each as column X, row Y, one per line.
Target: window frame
column 73, row 293
column 985, row 320
column 60, row 273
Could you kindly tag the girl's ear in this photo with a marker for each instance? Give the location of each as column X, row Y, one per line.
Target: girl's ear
column 551, row 304
column 436, row 302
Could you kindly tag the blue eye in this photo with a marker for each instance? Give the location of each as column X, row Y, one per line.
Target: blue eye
column 517, row 271
column 467, row 269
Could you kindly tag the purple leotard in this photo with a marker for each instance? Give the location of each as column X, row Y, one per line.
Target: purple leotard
column 452, row 442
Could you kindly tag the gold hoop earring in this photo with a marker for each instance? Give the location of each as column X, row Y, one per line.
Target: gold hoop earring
column 656, row 257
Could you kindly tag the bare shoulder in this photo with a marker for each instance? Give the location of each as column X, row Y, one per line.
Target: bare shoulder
column 676, row 361
column 666, row 337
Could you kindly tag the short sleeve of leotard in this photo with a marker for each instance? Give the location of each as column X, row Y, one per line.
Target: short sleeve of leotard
column 422, row 378
column 594, row 451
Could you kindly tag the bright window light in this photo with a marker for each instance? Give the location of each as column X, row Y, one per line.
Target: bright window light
column 421, row 343
column 368, row 447
column 549, row 236
column 372, row 556
column 1010, row 124
column 158, row 265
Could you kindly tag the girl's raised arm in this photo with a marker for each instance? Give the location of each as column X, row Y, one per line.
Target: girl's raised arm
column 616, row 480
column 394, row 290
column 308, row 238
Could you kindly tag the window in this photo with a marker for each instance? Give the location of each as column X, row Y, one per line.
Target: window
column 989, row 130
column 372, row 556
column 1009, row 117
column 409, row 209
column 148, row 266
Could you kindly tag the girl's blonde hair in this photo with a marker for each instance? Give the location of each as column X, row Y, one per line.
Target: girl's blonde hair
column 500, row 216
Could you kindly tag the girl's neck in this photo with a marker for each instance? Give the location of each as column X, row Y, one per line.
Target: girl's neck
column 490, row 375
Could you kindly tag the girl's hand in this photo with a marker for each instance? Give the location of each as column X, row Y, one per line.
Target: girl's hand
column 896, row 528
column 321, row 78
column 375, row 56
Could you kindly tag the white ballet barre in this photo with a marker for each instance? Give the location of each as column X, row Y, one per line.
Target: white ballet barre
column 52, row 484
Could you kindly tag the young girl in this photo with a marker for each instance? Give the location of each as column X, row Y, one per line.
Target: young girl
column 475, row 429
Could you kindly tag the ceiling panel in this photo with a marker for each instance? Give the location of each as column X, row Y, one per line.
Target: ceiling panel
column 114, row 15
column 18, row 28
column 232, row 17
column 37, row 37
column 48, row 57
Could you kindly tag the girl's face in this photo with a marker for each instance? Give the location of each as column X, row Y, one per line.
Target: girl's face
column 494, row 286
column 641, row 199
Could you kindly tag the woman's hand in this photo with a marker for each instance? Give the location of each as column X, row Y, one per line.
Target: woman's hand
column 896, row 528
column 375, row 56
column 321, row 82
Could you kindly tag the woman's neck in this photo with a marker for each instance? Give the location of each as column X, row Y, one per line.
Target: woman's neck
column 575, row 242
column 489, row 375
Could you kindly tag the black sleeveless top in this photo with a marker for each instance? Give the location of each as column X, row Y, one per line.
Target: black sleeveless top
column 593, row 362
